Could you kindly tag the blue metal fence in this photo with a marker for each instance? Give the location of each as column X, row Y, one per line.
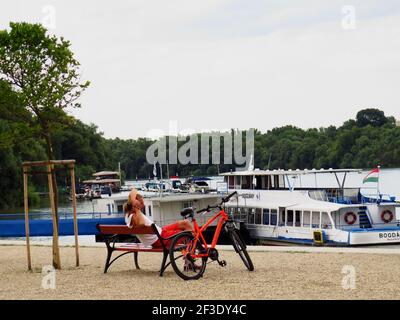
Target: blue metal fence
column 42, row 225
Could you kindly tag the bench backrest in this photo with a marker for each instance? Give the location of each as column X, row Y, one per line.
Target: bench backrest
column 123, row 229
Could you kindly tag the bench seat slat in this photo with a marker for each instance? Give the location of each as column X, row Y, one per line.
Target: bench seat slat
column 138, row 250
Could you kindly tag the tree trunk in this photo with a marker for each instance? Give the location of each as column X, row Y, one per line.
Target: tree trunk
column 50, row 156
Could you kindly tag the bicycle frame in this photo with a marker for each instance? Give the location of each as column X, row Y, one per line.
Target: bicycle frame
column 198, row 232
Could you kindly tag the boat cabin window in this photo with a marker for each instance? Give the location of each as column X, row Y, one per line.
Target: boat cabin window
column 259, row 182
column 297, row 218
column 316, row 219
column 289, row 218
column 325, row 221
column 279, row 182
column 176, row 184
column 231, row 182
column 266, row 216
column 236, row 213
column 239, row 214
column 257, row 217
column 230, row 211
column 243, row 214
column 120, row 208
column 269, row 182
column 149, row 211
column 336, row 217
column 276, row 182
column 265, row 182
column 237, row 182
column 187, row 204
column 273, row 218
column 250, row 217
column 306, row 218
column 246, row 182
column 282, row 215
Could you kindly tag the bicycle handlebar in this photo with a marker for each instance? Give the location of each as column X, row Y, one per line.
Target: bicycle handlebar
column 226, row 199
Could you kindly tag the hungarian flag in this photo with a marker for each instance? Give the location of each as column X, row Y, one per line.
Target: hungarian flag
column 373, row 176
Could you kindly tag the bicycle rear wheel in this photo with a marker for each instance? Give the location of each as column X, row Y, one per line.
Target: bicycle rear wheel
column 240, row 248
column 184, row 265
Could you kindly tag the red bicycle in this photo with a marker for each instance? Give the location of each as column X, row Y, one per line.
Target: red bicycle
column 189, row 251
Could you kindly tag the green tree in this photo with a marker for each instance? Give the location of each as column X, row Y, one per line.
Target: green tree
column 43, row 71
column 373, row 117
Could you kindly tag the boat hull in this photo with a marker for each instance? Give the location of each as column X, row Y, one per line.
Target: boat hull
column 382, row 236
column 333, row 237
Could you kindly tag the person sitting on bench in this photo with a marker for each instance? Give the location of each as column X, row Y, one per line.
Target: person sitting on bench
column 134, row 217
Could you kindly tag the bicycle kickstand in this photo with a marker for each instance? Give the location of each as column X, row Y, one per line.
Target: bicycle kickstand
column 222, row 263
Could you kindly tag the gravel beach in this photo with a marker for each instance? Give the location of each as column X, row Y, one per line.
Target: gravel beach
column 277, row 275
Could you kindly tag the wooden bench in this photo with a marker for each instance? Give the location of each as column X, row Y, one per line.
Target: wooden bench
column 110, row 235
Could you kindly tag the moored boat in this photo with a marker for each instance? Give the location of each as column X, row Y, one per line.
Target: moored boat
column 273, row 209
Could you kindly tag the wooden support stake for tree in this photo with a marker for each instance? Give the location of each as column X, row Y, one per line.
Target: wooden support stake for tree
column 73, row 195
column 56, row 248
column 26, row 208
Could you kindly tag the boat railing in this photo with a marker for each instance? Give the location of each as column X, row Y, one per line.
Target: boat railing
column 335, row 195
column 383, row 197
column 375, row 226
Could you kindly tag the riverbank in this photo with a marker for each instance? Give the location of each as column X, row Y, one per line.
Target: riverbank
column 277, row 275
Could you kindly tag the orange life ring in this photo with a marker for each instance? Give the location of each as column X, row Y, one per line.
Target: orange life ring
column 384, row 216
column 352, row 220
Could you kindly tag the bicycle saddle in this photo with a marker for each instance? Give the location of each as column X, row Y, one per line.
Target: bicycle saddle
column 187, row 212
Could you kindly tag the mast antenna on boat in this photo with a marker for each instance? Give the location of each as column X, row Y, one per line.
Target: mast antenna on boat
column 119, row 173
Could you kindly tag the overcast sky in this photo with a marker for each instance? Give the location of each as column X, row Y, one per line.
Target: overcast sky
column 216, row 64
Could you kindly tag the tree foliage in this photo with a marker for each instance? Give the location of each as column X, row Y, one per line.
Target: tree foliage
column 42, row 71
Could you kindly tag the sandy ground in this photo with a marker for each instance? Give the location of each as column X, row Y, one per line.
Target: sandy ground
column 277, row 275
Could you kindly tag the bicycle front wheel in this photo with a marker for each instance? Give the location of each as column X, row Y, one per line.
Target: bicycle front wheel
column 240, row 248
column 185, row 265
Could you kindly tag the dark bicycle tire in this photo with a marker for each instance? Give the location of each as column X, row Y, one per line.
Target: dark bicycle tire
column 184, row 268
column 240, row 249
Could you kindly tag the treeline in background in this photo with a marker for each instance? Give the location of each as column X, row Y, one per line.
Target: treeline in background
column 368, row 140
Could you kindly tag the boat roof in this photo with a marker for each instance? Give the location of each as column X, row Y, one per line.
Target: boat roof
column 101, row 181
column 316, row 205
column 173, row 197
column 258, row 172
column 200, row 178
column 298, row 200
column 105, row 173
column 184, row 197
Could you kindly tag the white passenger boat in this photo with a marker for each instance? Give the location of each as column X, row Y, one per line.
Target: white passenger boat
column 274, row 210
